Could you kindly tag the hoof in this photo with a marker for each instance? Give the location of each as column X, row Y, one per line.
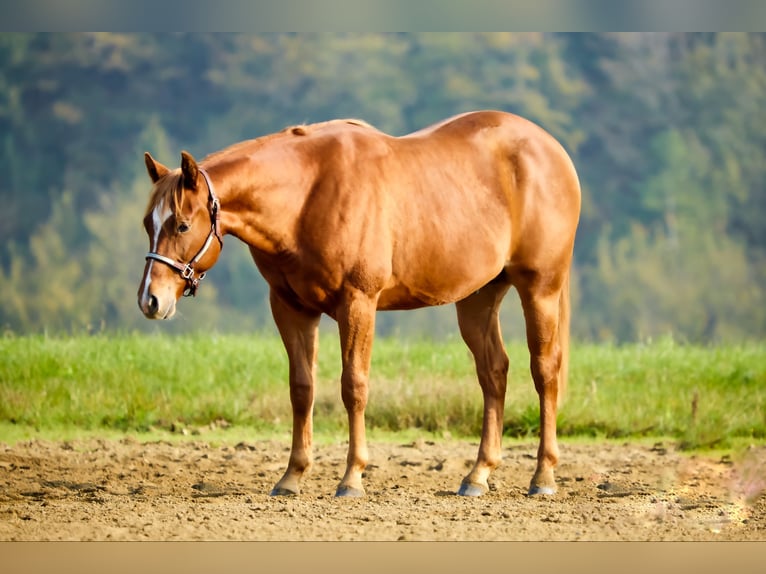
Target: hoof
column 349, row 492
column 546, row 490
column 471, row 489
column 279, row 491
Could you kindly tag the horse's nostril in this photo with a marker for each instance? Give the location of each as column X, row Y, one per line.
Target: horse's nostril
column 153, row 305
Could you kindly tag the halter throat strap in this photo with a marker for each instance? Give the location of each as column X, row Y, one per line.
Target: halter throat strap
column 187, row 270
column 215, row 207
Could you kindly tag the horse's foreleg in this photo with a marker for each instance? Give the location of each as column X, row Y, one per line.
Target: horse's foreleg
column 299, row 332
column 541, row 313
column 356, row 325
column 478, row 318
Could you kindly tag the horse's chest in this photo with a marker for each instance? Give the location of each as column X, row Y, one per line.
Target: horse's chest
column 309, row 291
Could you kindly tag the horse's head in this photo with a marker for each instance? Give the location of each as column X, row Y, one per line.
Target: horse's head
column 182, row 221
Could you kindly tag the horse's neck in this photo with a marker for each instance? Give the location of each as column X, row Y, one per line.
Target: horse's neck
column 259, row 203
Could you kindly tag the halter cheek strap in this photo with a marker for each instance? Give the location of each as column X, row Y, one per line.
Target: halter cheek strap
column 187, row 269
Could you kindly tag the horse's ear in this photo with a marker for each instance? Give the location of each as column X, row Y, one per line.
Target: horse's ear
column 156, row 169
column 189, row 169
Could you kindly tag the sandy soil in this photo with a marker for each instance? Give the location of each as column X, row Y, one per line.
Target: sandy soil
column 130, row 490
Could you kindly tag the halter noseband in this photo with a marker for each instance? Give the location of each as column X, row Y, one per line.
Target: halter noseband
column 187, row 269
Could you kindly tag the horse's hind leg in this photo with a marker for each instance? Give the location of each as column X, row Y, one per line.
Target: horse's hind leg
column 299, row 332
column 541, row 298
column 479, row 321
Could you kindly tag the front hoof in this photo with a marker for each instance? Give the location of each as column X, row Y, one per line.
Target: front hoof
column 535, row 490
column 349, row 492
column 472, row 489
column 281, row 491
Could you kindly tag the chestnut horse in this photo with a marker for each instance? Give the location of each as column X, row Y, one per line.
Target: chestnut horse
column 345, row 220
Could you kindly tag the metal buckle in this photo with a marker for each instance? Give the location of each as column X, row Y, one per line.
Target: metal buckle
column 187, row 272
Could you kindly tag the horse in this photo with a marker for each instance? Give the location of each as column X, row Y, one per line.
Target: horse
column 344, row 220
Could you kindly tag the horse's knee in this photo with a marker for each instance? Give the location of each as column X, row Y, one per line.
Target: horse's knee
column 354, row 393
column 301, row 395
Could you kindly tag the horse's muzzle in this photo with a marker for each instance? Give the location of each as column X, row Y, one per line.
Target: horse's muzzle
column 153, row 308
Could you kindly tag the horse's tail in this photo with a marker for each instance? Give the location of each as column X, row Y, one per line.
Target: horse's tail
column 564, row 320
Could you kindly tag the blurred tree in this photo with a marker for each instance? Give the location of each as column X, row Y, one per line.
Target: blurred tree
column 42, row 290
column 663, row 162
column 647, row 285
column 726, row 103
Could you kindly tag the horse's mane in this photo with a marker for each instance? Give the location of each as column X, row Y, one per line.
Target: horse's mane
column 168, row 189
column 296, row 130
column 303, row 129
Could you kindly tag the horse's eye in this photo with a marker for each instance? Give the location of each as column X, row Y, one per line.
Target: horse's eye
column 183, row 227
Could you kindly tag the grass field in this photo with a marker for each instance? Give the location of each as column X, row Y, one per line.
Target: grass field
column 699, row 396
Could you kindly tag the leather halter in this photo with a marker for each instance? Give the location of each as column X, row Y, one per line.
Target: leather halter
column 187, row 269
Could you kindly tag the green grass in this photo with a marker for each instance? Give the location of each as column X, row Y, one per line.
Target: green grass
column 703, row 397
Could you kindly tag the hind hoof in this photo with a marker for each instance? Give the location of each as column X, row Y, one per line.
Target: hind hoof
column 349, row 492
column 279, row 491
column 544, row 490
column 471, row 489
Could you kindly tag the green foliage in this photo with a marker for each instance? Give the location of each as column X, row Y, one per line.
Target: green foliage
column 664, row 284
column 666, row 130
column 43, row 287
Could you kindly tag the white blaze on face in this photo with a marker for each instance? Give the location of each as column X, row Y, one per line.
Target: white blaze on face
column 160, row 215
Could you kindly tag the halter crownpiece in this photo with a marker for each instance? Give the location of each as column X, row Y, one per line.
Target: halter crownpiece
column 187, row 269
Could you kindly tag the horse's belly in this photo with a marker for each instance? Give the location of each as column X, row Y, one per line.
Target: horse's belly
column 437, row 282
column 399, row 298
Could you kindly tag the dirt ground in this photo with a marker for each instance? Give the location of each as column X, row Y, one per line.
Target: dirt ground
column 131, row 490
